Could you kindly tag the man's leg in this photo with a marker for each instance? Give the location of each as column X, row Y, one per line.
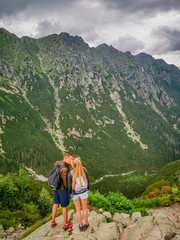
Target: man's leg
column 64, row 198
column 54, row 211
column 54, row 208
column 65, row 215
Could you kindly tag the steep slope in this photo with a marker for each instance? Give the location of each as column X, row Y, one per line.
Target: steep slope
column 99, row 103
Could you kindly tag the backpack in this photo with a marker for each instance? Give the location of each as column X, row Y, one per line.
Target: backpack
column 78, row 189
column 54, row 178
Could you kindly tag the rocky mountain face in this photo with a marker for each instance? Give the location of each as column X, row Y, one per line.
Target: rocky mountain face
column 118, row 112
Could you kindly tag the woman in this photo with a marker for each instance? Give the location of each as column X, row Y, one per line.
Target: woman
column 78, row 185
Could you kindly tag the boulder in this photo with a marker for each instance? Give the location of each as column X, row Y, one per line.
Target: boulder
column 135, row 216
column 107, row 214
column 108, row 231
column 159, row 227
column 122, row 218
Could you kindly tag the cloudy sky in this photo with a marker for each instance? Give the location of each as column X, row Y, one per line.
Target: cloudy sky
column 151, row 26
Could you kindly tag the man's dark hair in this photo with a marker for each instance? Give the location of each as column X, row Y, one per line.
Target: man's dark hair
column 67, row 154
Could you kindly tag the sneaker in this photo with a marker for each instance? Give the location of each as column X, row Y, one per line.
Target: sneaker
column 53, row 224
column 81, row 228
column 67, row 226
column 86, row 226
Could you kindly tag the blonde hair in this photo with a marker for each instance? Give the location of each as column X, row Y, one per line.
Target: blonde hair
column 77, row 171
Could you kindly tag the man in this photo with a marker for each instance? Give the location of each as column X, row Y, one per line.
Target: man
column 61, row 196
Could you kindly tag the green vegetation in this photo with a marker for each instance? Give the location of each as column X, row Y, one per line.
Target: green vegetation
column 21, row 199
column 29, row 202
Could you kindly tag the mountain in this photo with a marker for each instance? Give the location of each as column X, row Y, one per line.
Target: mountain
column 118, row 112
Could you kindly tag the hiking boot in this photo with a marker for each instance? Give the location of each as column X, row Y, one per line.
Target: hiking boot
column 81, row 228
column 86, row 226
column 53, row 224
column 67, row 226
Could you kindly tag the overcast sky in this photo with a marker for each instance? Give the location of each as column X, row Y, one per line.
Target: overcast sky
column 151, row 26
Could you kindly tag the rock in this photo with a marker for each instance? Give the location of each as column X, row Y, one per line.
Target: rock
column 10, row 230
column 100, row 210
column 122, row 218
column 135, row 216
column 107, row 214
column 1, row 228
column 108, row 231
column 156, row 228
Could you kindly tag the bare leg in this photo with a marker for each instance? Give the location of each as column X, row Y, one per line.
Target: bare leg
column 78, row 210
column 65, row 216
column 54, row 211
column 85, row 211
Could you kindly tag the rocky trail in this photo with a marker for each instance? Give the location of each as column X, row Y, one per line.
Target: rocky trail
column 163, row 223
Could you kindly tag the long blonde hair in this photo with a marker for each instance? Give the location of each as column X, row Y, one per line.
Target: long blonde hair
column 77, row 171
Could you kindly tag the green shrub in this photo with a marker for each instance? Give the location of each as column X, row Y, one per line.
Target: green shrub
column 156, row 185
column 7, row 219
column 23, row 179
column 175, row 191
column 45, row 202
column 146, row 203
column 30, row 213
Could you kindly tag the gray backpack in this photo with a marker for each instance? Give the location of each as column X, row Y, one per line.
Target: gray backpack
column 54, row 178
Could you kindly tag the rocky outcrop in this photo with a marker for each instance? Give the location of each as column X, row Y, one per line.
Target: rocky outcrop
column 161, row 224
column 159, row 227
column 99, row 229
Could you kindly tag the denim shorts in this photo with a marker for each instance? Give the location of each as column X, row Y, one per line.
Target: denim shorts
column 81, row 195
column 61, row 197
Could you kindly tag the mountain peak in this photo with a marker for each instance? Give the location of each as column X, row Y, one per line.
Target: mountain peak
column 73, row 41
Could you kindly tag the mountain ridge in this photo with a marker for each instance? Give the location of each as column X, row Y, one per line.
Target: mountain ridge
column 99, row 103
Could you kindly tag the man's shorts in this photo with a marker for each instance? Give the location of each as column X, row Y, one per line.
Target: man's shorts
column 81, row 195
column 61, row 197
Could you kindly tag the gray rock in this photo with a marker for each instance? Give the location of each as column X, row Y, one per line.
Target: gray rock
column 108, row 231
column 159, row 227
column 101, row 210
column 10, row 230
column 122, row 218
column 107, row 214
column 135, row 216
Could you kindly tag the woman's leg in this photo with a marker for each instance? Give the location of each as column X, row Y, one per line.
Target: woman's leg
column 85, row 211
column 78, row 210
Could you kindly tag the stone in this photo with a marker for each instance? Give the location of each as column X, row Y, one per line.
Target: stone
column 10, row 230
column 122, row 218
column 108, row 231
column 135, row 216
column 1, row 228
column 107, row 214
column 101, row 210
column 159, row 227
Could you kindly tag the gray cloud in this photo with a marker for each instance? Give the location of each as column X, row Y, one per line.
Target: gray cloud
column 145, row 6
column 169, row 39
column 128, row 43
column 13, row 7
column 47, row 28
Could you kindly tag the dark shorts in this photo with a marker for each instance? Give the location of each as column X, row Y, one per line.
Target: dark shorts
column 61, row 197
